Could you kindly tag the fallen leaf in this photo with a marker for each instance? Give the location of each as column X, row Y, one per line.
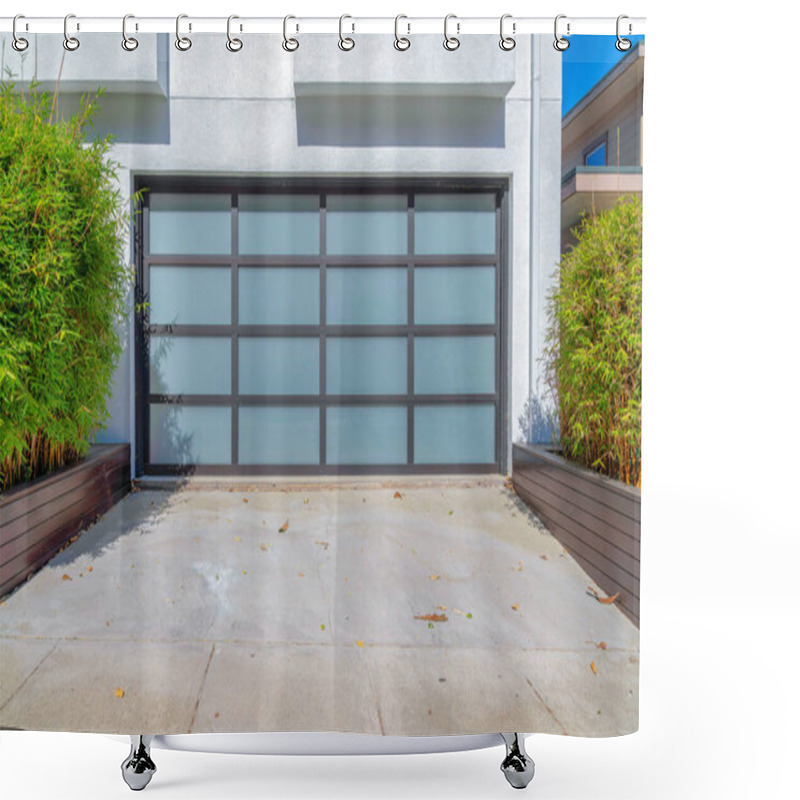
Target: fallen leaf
column 469, row 615
column 322, row 543
column 300, row 575
column 432, row 617
column 398, row 496
column 237, row 538
column 244, row 499
column 306, row 501
column 107, row 624
column 359, row 643
column 450, row 513
column 285, row 527
column 604, row 600
column 322, row 627
column 442, row 608
column 543, row 557
column 515, row 606
column 89, row 568
column 434, row 577
column 244, row 572
column 65, row 577
column 120, row 692
column 216, row 713
column 430, row 624
column 602, row 645
column 519, row 569
column 196, row 539
column 263, row 547
column 593, row 667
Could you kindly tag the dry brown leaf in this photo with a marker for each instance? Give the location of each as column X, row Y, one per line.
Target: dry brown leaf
column 263, row 547
column 216, row 715
column 300, row 575
column 196, row 539
column 434, row 577
column 604, row 600
column 120, row 692
column 65, row 577
column 602, row 645
column 306, row 501
column 285, row 527
column 322, row 543
column 359, row 643
column 432, row 617
column 244, row 499
column 89, row 568
column 543, row 557
column 108, row 624
column 515, row 606
column 593, row 667
column 398, row 496
column 442, row 608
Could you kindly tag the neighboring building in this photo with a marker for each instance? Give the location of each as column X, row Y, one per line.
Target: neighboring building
column 345, row 256
column 601, row 143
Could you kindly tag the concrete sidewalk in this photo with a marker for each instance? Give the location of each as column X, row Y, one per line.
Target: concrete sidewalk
column 203, row 611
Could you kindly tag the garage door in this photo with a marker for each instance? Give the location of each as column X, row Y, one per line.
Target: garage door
column 297, row 329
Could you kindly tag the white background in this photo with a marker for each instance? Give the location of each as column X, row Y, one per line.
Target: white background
column 720, row 705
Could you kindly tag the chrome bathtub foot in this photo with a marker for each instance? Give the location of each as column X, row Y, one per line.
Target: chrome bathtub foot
column 517, row 766
column 138, row 767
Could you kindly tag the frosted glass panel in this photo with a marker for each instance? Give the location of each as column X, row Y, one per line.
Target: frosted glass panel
column 279, row 224
column 190, row 365
column 454, row 434
column 367, row 224
column 361, row 365
column 364, row 435
column 190, row 296
column 446, row 224
column 278, row 296
column 454, row 295
column 190, row 224
column 279, row 435
column 454, row 365
column 287, row 365
column 367, row 296
column 190, row 434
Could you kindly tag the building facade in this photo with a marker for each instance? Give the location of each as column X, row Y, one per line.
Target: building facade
column 342, row 259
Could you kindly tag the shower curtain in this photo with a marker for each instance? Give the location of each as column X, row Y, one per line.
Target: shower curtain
column 327, row 478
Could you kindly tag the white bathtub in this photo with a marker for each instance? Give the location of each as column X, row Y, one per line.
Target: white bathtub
column 138, row 768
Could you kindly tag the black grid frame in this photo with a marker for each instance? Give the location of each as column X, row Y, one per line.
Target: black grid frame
column 321, row 188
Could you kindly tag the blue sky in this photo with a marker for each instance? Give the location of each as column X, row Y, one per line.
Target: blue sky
column 584, row 62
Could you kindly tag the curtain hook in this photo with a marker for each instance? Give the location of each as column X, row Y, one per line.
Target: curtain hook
column 183, row 43
column 289, row 45
column 451, row 42
column 233, row 44
column 19, row 44
column 128, row 42
column 401, row 42
column 345, row 42
column 70, row 42
column 560, row 43
column 507, row 42
column 623, row 44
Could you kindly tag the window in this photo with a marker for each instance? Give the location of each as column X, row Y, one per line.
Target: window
column 595, row 154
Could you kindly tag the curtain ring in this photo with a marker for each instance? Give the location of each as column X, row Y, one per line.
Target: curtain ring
column 560, row 43
column 622, row 44
column 451, row 42
column 345, row 42
column 128, row 42
column 19, row 44
column 183, row 43
column 233, row 44
column 401, row 42
column 289, row 45
column 70, row 42
column 507, row 42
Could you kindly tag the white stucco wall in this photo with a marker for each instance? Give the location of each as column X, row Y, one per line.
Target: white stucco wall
column 478, row 111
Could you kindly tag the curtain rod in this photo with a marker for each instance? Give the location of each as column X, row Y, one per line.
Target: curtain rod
column 460, row 26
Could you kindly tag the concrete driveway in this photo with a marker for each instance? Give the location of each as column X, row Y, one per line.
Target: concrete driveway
column 293, row 606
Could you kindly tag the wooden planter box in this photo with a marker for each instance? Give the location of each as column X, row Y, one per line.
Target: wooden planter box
column 38, row 518
column 597, row 519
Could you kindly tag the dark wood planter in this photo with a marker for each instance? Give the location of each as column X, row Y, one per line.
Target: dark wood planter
column 38, row 518
column 597, row 519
